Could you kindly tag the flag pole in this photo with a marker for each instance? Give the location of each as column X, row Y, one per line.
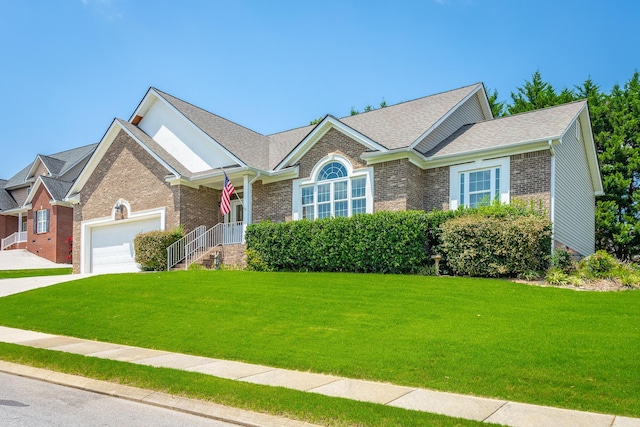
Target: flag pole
column 234, row 189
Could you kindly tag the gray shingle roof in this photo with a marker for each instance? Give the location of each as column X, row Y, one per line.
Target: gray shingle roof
column 538, row 125
column 399, row 125
column 395, row 126
column 58, row 164
column 53, row 165
column 249, row 146
column 6, row 201
column 57, row 188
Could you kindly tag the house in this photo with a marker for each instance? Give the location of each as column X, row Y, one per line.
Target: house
column 33, row 211
column 165, row 167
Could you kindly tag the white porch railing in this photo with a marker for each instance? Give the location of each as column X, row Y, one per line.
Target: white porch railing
column 17, row 237
column 178, row 250
column 198, row 242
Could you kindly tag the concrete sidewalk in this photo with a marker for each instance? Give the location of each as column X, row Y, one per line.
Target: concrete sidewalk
column 462, row 406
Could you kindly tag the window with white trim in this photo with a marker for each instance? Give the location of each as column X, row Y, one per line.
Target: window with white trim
column 42, row 221
column 333, row 190
column 480, row 182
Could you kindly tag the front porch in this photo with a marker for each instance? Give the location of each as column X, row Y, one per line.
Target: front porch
column 208, row 246
column 17, row 240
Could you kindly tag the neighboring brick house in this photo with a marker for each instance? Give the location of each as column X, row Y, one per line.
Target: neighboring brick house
column 164, row 168
column 33, row 212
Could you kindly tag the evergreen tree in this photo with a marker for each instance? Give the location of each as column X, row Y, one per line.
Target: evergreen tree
column 497, row 107
column 536, row 94
column 616, row 124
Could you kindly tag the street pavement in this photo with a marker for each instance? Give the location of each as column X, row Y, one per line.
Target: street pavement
column 34, row 403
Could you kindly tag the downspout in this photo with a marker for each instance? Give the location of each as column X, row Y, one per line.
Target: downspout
column 552, row 196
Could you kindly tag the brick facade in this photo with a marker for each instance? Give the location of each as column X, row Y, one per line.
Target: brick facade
column 127, row 172
column 8, row 225
column 436, row 194
column 51, row 245
column 199, row 207
column 398, row 186
column 333, row 141
column 531, row 178
column 272, row 202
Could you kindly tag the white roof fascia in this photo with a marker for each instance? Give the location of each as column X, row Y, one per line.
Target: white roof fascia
column 144, row 105
column 33, row 190
column 491, row 152
column 318, row 132
column 401, row 153
column 453, row 159
column 446, row 116
column 196, row 128
column 100, row 151
column 66, row 204
column 16, row 211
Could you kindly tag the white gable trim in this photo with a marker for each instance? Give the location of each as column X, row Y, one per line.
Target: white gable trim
column 484, row 105
column 34, row 189
column 33, row 167
column 147, row 102
column 101, row 150
column 328, row 123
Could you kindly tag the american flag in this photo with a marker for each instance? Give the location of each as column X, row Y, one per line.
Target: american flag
column 227, row 191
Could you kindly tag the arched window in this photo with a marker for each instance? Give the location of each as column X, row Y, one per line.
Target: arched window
column 334, row 189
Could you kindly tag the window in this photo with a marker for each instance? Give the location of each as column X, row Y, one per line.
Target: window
column 41, row 223
column 336, row 191
column 478, row 183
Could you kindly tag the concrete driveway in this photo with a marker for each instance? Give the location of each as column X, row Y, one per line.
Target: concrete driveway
column 21, row 259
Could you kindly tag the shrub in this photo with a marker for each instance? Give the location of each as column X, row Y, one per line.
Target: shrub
column 478, row 243
column 599, row 265
column 555, row 276
column 563, row 260
column 383, row 242
column 151, row 248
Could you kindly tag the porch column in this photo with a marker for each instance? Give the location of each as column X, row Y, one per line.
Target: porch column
column 246, row 200
column 19, row 222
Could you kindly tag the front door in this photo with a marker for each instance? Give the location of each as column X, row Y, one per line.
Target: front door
column 234, row 229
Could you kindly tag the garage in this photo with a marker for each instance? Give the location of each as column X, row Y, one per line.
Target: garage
column 112, row 248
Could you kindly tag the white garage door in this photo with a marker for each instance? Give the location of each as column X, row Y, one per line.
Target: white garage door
column 112, row 245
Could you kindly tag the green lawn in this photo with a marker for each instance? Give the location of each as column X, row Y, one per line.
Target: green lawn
column 13, row 274
column 491, row 338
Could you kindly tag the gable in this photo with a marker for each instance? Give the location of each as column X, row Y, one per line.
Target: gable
column 333, row 141
column 190, row 146
column 470, row 111
column 329, row 123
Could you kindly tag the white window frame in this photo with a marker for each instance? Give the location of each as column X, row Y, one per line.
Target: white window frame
column 42, row 218
column 479, row 165
column 312, row 180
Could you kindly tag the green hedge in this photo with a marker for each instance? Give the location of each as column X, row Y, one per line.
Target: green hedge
column 151, row 248
column 383, row 242
column 490, row 241
column 499, row 245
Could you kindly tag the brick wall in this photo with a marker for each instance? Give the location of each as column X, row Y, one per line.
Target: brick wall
column 333, row 141
column 234, row 256
column 51, row 245
column 126, row 171
column 272, row 201
column 199, row 207
column 531, row 177
column 436, row 189
column 391, row 184
column 8, row 225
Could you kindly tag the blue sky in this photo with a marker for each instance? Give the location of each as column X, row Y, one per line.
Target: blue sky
column 69, row 67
